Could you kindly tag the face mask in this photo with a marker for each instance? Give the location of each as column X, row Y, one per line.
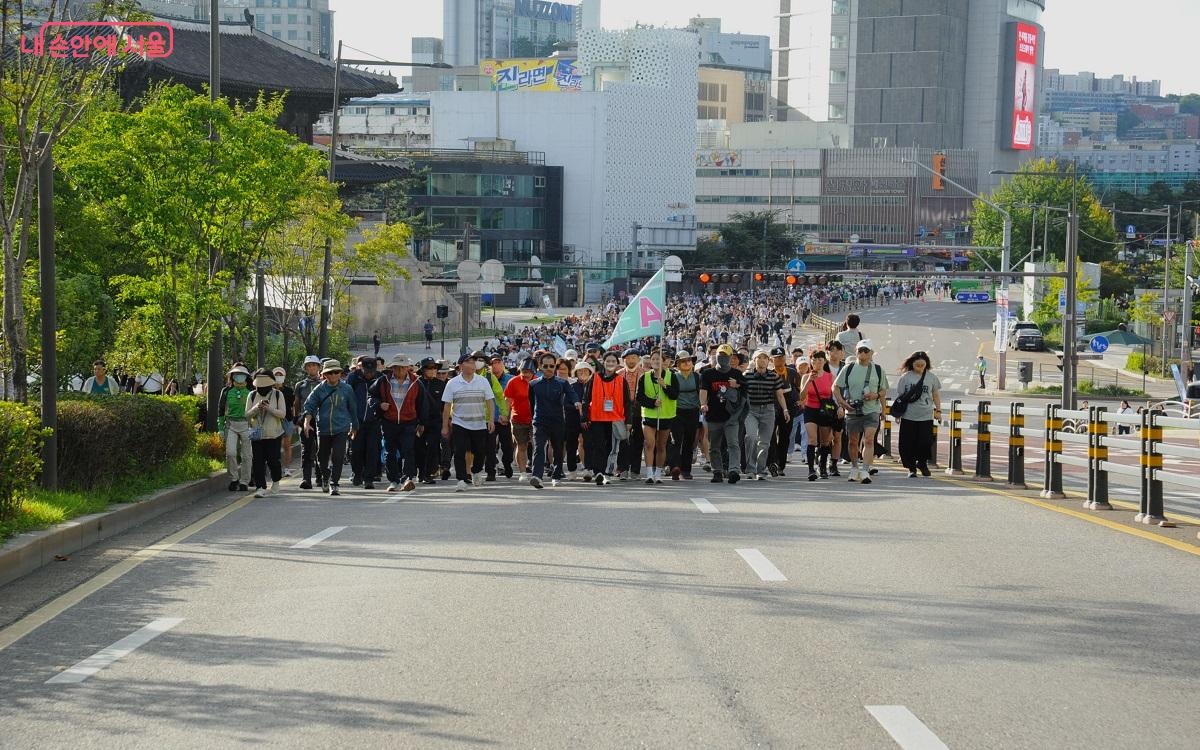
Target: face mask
column 480, row 365
column 723, row 361
column 265, row 391
column 280, row 378
column 239, row 379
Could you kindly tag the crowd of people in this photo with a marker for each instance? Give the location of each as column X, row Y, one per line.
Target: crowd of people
column 730, row 391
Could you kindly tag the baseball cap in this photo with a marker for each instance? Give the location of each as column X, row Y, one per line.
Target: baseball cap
column 778, row 352
column 571, row 355
column 865, row 344
column 477, row 355
column 312, row 359
column 630, row 353
column 400, row 360
column 529, row 365
column 466, row 358
column 725, row 349
column 684, row 355
column 802, row 360
column 593, row 347
column 495, row 358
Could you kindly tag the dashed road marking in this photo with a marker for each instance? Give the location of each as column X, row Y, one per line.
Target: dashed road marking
column 909, row 732
column 319, row 537
column 765, row 569
column 704, row 505
column 118, row 650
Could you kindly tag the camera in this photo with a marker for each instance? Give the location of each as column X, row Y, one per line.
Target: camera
column 856, row 406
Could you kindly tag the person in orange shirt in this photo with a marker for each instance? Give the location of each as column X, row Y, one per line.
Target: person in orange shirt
column 606, row 403
column 521, row 416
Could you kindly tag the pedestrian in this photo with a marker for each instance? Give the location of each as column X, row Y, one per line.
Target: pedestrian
column 376, row 342
column 838, row 444
column 764, row 393
column 428, row 329
column 849, row 336
column 365, row 446
column 429, row 440
column 607, row 402
column 516, row 393
column 289, row 428
column 657, row 395
column 687, row 418
column 720, row 399
column 308, row 441
column 860, row 389
column 781, row 437
column 1124, row 408
column 575, row 427
column 332, row 414
column 820, row 415
column 629, row 457
column 565, row 370
column 99, row 383
column 471, row 417
column 233, row 425
column 919, row 403
column 266, row 413
column 501, row 441
column 981, row 367
column 398, row 401
column 550, row 397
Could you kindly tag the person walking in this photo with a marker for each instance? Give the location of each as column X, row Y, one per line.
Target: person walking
column 849, row 336
column 657, row 395
column 331, row 413
column 838, row 446
column 266, row 412
column 720, row 400
column 428, row 329
column 468, row 421
column 629, row 456
column 860, row 389
column 429, row 440
column 232, row 423
column 364, row 447
column 397, row 400
column 289, row 427
column 781, row 436
column 606, row 403
column 919, row 400
column 516, row 393
column 764, row 394
column 550, row 397
column 1124, row 408
column 981, row 367
column 681, row 453
column 99, row 383
column 584, row 371
column 376, row 342
column 820, row 414
column 500, row 441
column 308, row 441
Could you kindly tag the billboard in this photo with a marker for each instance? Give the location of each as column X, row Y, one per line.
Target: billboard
column 1025, row 39
column 546, row 11
column 532, row 74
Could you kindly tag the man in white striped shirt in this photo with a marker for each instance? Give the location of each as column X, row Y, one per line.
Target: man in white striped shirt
column 470, row 416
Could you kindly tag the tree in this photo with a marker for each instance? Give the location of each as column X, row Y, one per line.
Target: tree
column 1097, row 239
column 39, row 95
column 1189, row 104
column 1045, row 311
column 740, row 242
column 1126, row 121
column 175, row 193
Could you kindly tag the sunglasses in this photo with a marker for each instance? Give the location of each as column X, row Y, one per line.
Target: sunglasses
column 548, row 367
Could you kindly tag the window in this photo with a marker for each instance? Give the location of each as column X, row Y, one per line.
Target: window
column 308, row 35
column 839, row 76
column 292, row 34
column 291, row 3
column 841, row 7
column 276, row 34
column 466, row 184
column 441, row 184
column 839, row 41
column 260, row 3
column 837, row 112
column 724, row 93
column 275, row 3
column 276, row 18
column 293, row 19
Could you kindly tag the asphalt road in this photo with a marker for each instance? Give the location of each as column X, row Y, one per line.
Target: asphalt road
column 911, row 613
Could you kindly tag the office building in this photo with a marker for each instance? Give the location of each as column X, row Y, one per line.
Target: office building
column 427, row 50
column 724, row 55
column 1054, row 79
column 307, row 24
column 389, row 121
column 475, row 30
column 1134, row 166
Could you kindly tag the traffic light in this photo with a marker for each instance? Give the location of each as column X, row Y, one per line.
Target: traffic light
column 791, row 280
column 705, row 278
column 758, row 277
column 939, row 168
column 714, row 277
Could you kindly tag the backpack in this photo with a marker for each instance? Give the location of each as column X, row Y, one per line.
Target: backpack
column 867, row 382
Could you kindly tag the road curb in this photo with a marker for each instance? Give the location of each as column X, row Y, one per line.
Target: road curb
column 27, row 552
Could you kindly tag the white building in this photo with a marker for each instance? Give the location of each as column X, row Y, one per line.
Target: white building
column 307, row 24
column 387, row 121
column 625, row 143
column 1139, row 156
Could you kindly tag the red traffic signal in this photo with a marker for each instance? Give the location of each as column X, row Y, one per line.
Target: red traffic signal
column 791, row 280
column 705, row 278
column 758, row 277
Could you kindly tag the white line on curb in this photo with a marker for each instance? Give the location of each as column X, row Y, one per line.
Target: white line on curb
column 118, row 650
column 704, row 505
column 316, row 539
column 765, row 569
column 906, row 729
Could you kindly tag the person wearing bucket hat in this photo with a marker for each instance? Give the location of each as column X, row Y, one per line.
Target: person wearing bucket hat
column 365, row 445
column 583, row 372
column 308, row 442
column 233, row 424
column 289, row 398
column 398, row 402
column 266, row 410
column 429, row 442
column 332, row 414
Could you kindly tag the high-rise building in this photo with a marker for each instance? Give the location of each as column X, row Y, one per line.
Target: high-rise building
column 942, row 74
column 427, row 50
column 748, row 55
column 475, row 30
column 307, row 24
column 1055, row 80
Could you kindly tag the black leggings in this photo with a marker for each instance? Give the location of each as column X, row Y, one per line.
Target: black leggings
column 683, row 439
column 331, row 446
column 266, row 455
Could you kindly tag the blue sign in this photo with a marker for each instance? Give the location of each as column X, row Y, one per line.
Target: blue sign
column 795, row 265
column 973, row 297
column 1099, row 344
column 1130, row 232
column 546, row 10
column 922, row 231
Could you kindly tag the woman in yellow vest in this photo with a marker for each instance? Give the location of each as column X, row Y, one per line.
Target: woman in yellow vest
column 657, row 393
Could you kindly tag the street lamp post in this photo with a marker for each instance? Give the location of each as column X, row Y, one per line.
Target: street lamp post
column 1167, row 344
column 216, row 351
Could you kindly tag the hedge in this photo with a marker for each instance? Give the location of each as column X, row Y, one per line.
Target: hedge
column 21, row 438
column 1136, row 360
column 102, row 439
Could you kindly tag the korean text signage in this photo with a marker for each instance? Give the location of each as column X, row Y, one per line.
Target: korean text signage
column 82, row 39
column 546, row 10
column 532, row 74
column 1024, row 93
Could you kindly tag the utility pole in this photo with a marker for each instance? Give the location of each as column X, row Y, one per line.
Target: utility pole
column 1070, row 360
column 1185, row 352
column 260, row 289
column 45, row 192
column 326, row 297
column 216, row 352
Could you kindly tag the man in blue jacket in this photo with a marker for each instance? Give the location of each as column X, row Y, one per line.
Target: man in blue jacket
column 365, row 445
column 550, row 397
column 331, row 413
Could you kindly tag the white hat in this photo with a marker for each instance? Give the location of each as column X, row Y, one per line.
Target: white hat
column 400, row 360
column 312, row 359
column 802, row 360
column 571, row 355
column 864, row 344
column 239, row 369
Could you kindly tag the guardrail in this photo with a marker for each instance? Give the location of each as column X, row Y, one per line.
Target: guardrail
column 1086, row 429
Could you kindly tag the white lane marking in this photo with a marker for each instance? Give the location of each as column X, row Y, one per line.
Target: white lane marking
column 765, row 569
column 316, row 539
column 704, row 505
column 909, row 732
column 118, row 650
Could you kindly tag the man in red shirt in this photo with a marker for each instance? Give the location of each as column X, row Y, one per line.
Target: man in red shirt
column 516, row 393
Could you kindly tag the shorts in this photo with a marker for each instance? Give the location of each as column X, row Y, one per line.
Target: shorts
column 660, row 424
column 522, row 433
column 818, row 417
column 859, row 423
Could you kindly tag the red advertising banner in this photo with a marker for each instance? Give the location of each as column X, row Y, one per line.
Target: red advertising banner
column 1025, row 86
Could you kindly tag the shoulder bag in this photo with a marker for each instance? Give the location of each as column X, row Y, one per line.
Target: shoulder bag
column 901, row 402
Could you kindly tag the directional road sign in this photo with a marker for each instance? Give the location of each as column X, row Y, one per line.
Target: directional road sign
column 1099, row 344
column 795, row 265
column 1130, row 232
column 973, row 297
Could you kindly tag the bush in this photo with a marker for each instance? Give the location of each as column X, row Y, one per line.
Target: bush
column 102, row 439
column 1091, row 389
column 1101, row 326
column 211, row 445
column 1152, row 364
column 21, row 437
column 190, row 405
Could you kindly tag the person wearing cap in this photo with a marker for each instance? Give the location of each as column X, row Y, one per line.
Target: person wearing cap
column 860, row 389
column 657, row 394
column 289, row 397
column 232, row 423
column 429, row 442
column 629, row 457
column 468, row 421
column 838, row 447
column 365, row 446
column 397, row 401
column 784, row 426
column 681, row 451
column 502, row 439
column 308, row 442
column 266, row 411
column 764, row 394
column 331, row 413
column 575, row 422
column 516, row 392
column 798, row 440
column 720, row 401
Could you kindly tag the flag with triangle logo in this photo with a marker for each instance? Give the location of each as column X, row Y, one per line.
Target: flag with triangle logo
column 645, row 314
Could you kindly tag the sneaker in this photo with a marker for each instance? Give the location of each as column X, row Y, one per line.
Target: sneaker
column 287, row 472
column 260, row 492
column 872, row 471
column 761, row 477
column 572, row 475
column 508, row 471
column 368, row 485
column 461, row 486
column 274, row 488
column 491, row 477
column 445, row 474
column 306, row 485
column 706, row 468
column 716, row 478
column 648, row 475
column 781, row 472
column 535, row 483
column 393, row 487
column 603, row 479
column 554, row 482
column 925, row 471
column 773, row 469
column 853, row 476
column 734, row 477
column 833, row 471
column 912, row 474
column 866, row 478
column 658, row 477
column 428, row 480
column 587, row 476
column 233, row 486
column 812, row 476
column 477, row 479
column 356, row 481
column 333, row 490
column 243, row 488
column 408, row 486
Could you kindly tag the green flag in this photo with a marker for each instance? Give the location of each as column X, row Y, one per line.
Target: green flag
column 644, row 316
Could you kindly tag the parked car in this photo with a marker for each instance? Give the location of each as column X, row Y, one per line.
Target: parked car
column 1028, row 339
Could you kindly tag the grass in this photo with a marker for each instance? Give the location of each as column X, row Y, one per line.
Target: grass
column 1086, row 388
column 41, row 509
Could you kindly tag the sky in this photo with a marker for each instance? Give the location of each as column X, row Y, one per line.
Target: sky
column 1104, row 36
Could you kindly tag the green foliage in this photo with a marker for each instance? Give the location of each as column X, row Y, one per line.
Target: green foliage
column 104, row 439
column 1045, row 311
column 1189, row 104
column 141, row 344
column 1138, row 362
column 1143, row 309
column 189, row 408
column 21, row 438
column 1096, row 240
column 740, row 242
column 1091, row 389
column 1100, row 325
